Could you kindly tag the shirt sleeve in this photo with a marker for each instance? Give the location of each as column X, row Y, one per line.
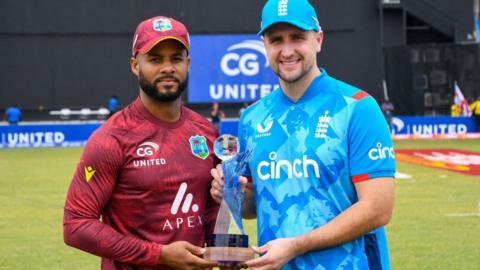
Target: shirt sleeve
column 92, row 185
column 371, row 151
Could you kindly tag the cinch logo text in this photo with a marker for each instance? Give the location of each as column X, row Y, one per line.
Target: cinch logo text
column 299, row 167
column 381, row 152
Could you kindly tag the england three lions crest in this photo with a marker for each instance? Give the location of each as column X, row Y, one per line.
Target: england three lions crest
column 199, row 147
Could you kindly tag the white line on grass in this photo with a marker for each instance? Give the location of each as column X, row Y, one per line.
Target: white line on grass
column 474, row 214
column 463, row 215
column 399, row 175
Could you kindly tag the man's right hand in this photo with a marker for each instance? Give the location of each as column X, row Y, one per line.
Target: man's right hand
column 183, row 255
column 217, row 183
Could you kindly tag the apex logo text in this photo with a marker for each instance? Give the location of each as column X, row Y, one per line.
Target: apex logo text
column 190, row 221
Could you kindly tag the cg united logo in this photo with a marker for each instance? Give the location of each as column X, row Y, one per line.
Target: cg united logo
column 229, row 68
column 147, row 149
column 247, row 63
column 146, row 152
column 244, row 65
column 398, row 124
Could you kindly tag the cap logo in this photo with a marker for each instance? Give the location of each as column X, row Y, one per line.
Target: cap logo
column 283, row 8
column 162, row 24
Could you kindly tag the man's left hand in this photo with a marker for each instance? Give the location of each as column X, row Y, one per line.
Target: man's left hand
column 276, row 253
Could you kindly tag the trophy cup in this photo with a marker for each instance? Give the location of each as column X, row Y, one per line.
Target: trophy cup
column 229, row 244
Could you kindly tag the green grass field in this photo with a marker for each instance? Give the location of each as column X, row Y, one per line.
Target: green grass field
column 33, row 183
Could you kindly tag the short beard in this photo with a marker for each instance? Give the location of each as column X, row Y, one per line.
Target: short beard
column 152, row 91
column 295, row 79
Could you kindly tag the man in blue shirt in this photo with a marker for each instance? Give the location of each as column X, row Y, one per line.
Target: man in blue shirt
column 322, row 164
column 13, row 115
column 112, row 105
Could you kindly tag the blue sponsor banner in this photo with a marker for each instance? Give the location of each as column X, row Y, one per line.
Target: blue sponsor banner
column 229, row 126
column 408, row 125
column 434, row 125
column 76, row 134
column 47, row 135
column 229, row 68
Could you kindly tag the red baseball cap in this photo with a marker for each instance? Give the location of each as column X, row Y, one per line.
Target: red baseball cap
column 157, row 29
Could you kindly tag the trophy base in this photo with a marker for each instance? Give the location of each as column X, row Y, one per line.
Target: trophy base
column 228, row 255
column 228, row 249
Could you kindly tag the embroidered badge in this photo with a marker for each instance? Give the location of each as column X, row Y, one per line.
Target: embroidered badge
column 198, row 145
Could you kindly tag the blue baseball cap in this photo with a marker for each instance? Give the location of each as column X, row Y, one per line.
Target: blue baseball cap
column 299, row 13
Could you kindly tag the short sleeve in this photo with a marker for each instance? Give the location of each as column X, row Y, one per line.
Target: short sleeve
column 371, row 152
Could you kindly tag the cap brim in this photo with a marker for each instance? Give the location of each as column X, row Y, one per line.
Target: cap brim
column 152, row 44
column 298, row 24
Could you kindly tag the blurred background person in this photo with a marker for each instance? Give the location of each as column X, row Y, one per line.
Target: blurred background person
column 216, row 115
column 13, row 114
column 455, row 110
column 112, row 104
column 475, row 108
column 387, row 109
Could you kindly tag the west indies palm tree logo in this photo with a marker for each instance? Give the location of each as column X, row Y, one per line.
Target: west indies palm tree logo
column 198, row 145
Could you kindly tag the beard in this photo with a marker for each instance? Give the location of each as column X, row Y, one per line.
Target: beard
column 153, row 91
column 293, row 78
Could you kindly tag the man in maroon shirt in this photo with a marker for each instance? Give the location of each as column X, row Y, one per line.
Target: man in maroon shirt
column 139, row 197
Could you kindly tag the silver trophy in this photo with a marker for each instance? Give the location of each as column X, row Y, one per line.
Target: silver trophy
column 229, row 244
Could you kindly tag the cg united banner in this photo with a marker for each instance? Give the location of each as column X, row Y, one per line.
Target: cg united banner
column 229, row 68
column 45, row 135
column 433, row 125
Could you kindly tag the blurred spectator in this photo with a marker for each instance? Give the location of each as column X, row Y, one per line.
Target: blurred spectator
column 387, row 109
column 244, row 106
column 475, row 108
column 455, row 111
column 112, row 105
column 13, row 115
column 216, row 115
